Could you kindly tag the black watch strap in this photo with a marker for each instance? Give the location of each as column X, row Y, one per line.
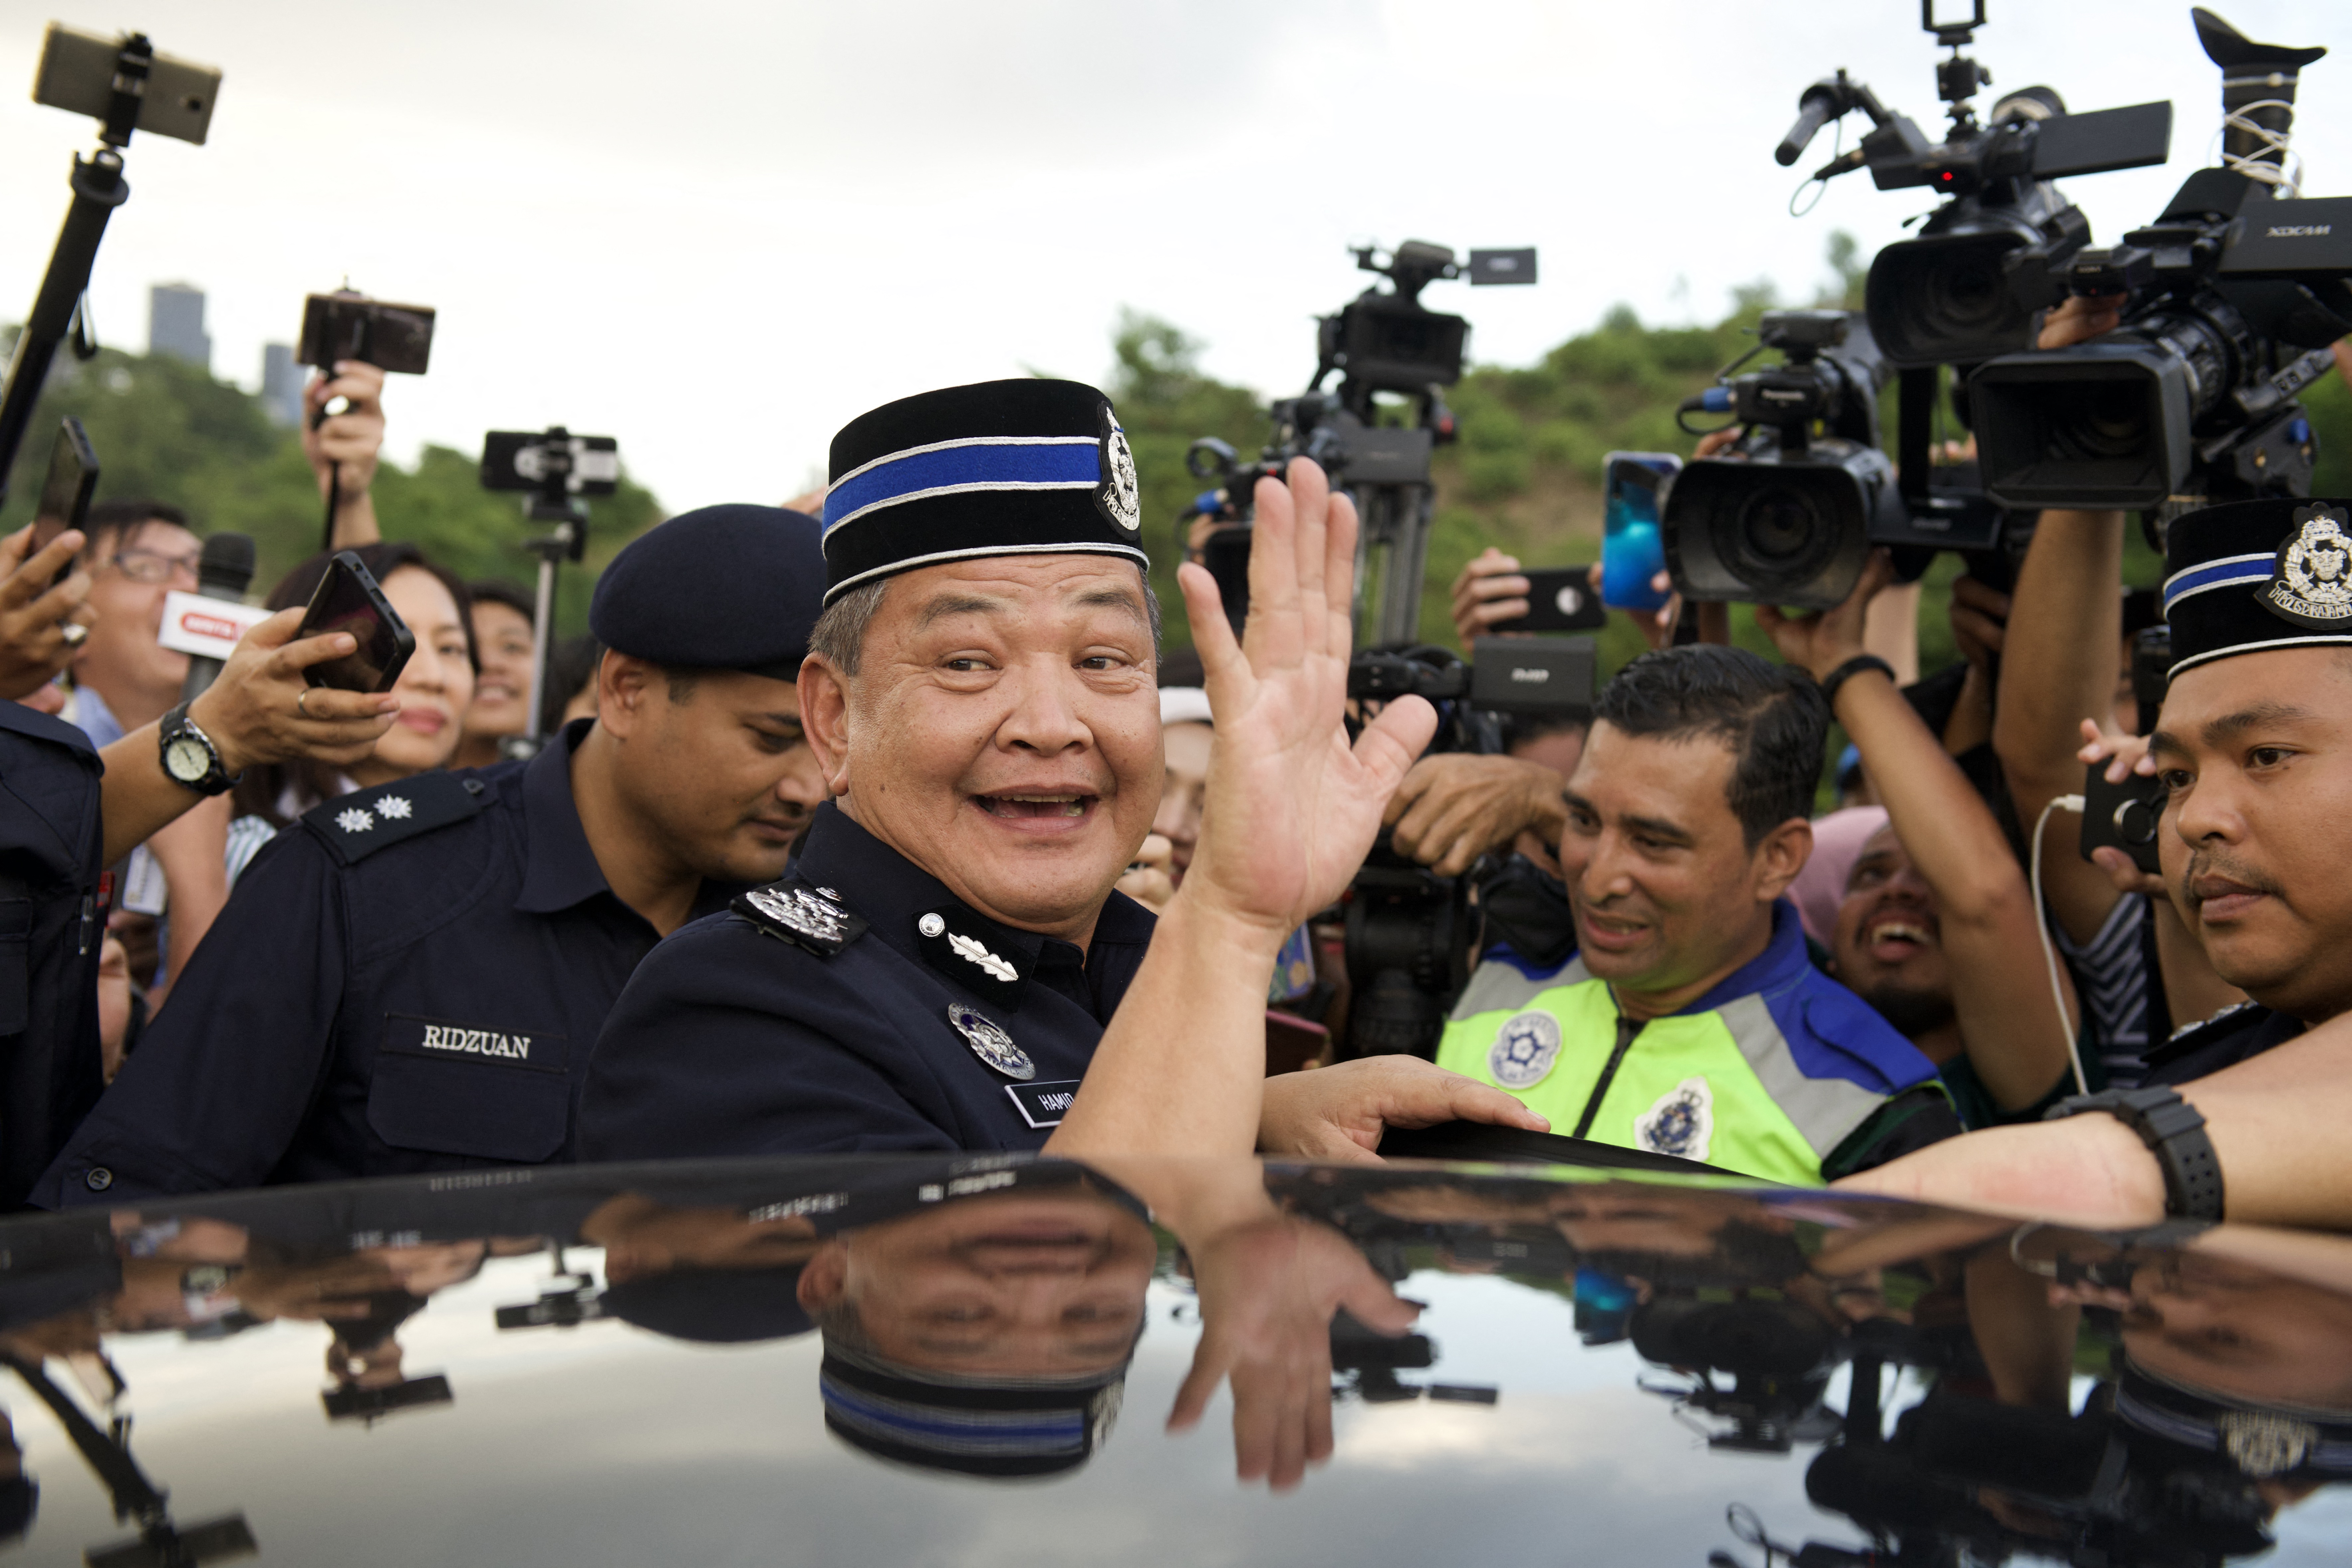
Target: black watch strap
column 2174, row 1131
column 1848, row 671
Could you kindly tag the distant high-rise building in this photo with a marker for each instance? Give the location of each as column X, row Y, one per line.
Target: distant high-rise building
column 176, row 323
column 281, row 384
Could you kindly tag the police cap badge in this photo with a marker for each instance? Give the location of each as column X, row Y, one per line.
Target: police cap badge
column 2254, row 576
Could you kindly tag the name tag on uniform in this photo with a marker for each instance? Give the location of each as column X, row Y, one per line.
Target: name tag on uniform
column 443, row 1040
column 1044, row 1104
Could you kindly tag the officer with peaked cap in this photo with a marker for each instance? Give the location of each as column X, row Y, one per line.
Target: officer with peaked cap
column 412, row 981
column 941, row 970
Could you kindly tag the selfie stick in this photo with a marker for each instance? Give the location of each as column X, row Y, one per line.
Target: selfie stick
column 99, row 188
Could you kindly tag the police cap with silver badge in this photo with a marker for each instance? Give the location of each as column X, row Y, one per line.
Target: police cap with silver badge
column 721, row 587
column 2249, row 576
column 1002, row 468
column 987, row 1427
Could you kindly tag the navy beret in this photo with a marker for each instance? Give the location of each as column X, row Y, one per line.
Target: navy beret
column 1002, row 468
column 2258, row 574
column 723, row 587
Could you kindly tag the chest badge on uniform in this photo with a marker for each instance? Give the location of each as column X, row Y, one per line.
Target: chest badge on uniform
column 1681, row 1123
column 1524, row 1049
column 806, row 916
column 990, row 1043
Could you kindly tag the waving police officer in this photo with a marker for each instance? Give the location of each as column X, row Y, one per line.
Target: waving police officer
column 980, row 692
column 412, row 981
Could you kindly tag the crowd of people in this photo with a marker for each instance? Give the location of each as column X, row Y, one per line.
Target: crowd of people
column 889, row 823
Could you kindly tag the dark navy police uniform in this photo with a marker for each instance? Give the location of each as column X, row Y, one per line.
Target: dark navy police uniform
column 409, row 982
column 856, row 1006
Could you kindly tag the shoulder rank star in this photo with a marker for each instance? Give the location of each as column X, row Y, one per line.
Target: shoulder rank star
column 802, row 915
column 990, row 1043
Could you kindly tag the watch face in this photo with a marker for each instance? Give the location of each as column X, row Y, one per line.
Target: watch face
column 187, row 760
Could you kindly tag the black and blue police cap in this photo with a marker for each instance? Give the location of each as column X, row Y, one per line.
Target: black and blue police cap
column 2249, row 576
column 1005, row 1428
column 1001, row 467
column 722, row 587
column 2258, row 1441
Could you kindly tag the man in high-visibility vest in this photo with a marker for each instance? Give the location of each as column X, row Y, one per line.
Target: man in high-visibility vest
column 1682, row 1014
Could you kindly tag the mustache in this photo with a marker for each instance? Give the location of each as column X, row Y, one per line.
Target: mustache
column 2214, row 863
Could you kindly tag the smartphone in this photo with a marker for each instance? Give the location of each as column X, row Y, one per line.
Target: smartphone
column 2123, row 816
column 65, row 494
column 345, row 325
column 348, row 600
column 1632, row 550
column 1560, row 599
column 77, row 74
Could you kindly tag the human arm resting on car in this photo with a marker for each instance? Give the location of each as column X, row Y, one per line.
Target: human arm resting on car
column 2016, row 1037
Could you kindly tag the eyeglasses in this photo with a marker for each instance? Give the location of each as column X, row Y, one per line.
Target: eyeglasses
column 153, row 567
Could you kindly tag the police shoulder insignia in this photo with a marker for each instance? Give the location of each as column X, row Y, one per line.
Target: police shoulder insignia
column 356, row 825
column 1524, row 1049
column 1682, row 1121
column 801, row 913
column 1120, row 494
column 2311, row 582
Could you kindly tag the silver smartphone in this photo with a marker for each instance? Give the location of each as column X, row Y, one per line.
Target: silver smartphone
column 77, row 74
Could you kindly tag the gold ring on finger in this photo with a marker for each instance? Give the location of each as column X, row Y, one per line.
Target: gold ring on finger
column 302, row 703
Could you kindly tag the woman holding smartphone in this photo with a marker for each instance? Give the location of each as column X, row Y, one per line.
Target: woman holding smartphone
column 435, row 687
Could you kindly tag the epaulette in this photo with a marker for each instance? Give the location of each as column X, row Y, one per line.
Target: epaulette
column 2228, row 1021
column 356, row 825
column 801, row 913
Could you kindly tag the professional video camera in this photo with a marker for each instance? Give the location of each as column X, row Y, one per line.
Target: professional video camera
column 1380, row 343
column 1790, row 518
column 1970, row 286
column 2192, row 399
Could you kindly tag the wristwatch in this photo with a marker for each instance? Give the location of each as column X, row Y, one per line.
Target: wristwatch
column 2174, row 1132
column 190, row 758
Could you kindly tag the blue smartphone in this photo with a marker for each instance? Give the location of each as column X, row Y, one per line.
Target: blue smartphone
column 1632, row 552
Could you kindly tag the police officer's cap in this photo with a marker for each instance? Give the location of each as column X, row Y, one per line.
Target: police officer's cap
column 715, row 1307
column 1002, row 467
column 1004, row 1428
column 724, row 587
column 2253, row 576
column 2258, row 1441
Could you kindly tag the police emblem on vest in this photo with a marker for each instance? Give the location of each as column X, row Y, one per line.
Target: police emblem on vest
column 990, row 1043
column 1524, row 1049
column 1121, row 495
column 1681, row 1123
column 2311, row 584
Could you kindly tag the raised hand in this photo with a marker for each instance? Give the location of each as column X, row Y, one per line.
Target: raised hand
column 1292, row 808
column 34, row 644
column 1820, row 640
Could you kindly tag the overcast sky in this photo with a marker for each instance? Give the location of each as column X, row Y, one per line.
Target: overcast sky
column 718, row 231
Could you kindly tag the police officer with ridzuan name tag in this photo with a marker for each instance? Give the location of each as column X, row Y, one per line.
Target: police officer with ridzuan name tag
column 943, row 969
column 412, row 980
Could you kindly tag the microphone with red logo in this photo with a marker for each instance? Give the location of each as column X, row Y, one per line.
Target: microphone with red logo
column 224, row 572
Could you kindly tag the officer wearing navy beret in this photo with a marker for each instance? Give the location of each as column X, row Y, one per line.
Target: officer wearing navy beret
column 950, row 962
column 412, row 981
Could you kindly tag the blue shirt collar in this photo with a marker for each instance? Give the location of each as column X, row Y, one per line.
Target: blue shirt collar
column 93, row 718
column 1783, row 961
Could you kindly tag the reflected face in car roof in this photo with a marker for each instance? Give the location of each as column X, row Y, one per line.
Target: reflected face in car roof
column 1044, row 1284
column 2228, row 1328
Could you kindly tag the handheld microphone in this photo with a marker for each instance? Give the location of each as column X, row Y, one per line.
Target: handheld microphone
column 224, row 572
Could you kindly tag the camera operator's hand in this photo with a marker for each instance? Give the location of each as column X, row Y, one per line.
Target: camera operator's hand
column 1489, row 589
column 2079, row 318
column 2125, row 756
column 33, row 616
column 1151, row 880
column 346, row 444
column 1714, row 441
column 1820, row 640
column 1979, row 618
column 261, row 709
column 1338, row 1112
column 1453, row 808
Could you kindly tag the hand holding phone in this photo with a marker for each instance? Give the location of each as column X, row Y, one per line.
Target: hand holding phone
column 66, row 492
column 1560, row 599
column 348, row 600
column 2123, row 816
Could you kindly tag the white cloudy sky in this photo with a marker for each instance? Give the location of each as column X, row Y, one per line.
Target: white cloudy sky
column 718, row 229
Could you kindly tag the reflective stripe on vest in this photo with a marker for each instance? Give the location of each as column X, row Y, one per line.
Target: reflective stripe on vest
column 1722, row 1087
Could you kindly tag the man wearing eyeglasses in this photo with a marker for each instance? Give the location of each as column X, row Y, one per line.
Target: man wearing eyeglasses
column 138, row 550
